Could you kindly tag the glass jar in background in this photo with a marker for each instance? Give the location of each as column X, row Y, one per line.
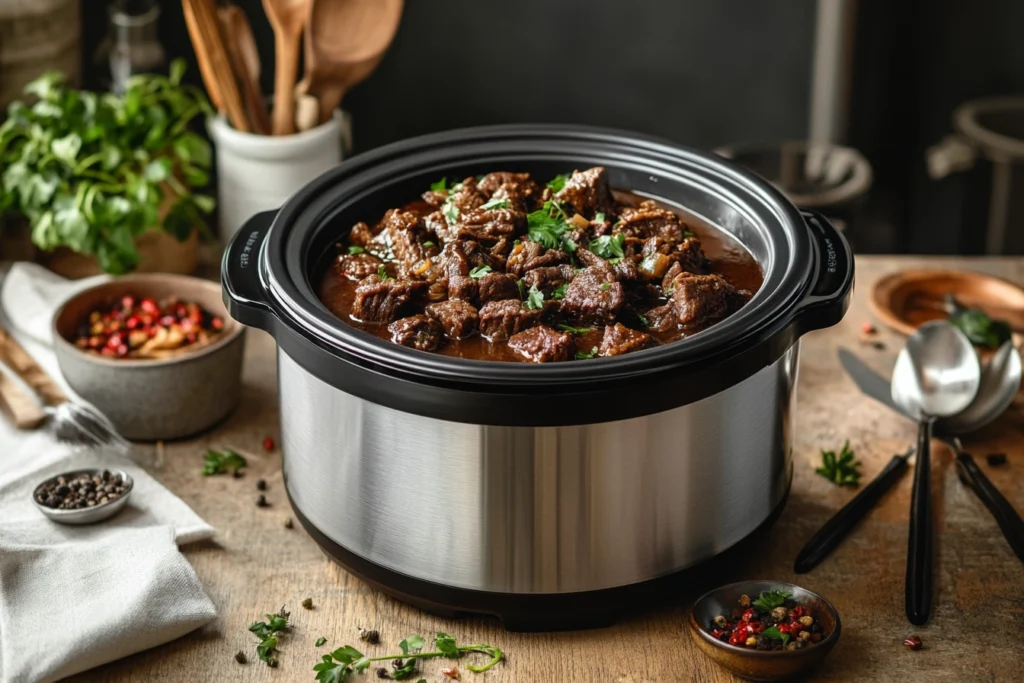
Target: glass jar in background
column 132, row 45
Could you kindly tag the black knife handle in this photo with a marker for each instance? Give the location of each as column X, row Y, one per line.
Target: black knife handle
column 919, row 548
column 842, row 523
column 1007, row 518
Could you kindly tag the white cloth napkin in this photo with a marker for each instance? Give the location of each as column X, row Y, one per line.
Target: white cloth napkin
column 72, row 598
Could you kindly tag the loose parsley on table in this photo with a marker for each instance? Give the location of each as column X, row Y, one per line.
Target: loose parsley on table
column 336, row 667
column 222, row 462
column 320, row 641
column 266, row 632
column 842, row 470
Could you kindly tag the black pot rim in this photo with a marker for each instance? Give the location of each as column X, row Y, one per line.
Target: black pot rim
column 791, row 301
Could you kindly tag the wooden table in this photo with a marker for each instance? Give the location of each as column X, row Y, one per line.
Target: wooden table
column 255, row 564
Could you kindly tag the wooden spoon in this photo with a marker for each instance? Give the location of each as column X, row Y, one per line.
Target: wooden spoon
column 245, row 62
column 346, row 40
column 204, row 29
column 287, row 17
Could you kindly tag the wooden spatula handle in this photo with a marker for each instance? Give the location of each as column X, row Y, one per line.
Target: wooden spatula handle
column 23, row 410
column 19, row 360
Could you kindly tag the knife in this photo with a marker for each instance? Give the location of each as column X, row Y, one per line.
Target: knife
column 1010, row 522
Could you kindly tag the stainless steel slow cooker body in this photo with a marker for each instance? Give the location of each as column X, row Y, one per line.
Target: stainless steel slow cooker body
column 525, row 489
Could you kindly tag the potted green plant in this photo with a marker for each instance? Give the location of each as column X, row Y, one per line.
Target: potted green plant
column 102, row 175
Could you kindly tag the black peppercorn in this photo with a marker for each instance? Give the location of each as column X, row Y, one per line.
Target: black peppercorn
column 288, row 524
column 307, row 603
column 382, row 672
column 996, row 459
column 240, row 657
column 261, row 502
column 261, row 485
column 370, row 636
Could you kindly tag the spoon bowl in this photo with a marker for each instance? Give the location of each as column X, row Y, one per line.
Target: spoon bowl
column 937, row 374
column 1000, row 382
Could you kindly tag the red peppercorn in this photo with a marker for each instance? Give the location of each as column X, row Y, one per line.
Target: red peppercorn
column 913, row 642
column 268, row 444
column 149, row 306
column 217, row 323
column 127, row 302
column 867, row 328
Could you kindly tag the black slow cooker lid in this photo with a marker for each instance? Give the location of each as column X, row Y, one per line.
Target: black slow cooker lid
column 270, row 272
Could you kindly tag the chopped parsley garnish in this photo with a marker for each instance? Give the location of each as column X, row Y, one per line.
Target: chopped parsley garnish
column 222, row 462
column 568, row 244
column 440, row 186
column 688, row 233
column 451, row 213
column 522, row 292
column 609, row 246
column 559, row 291
column 458, row 187
column 613, row 261
column 842, row 470
column 336, row 667
column 267, row 632
column 775, row 633
column 605, row 286
column 599, row 217
column 479, row 271
column 413, row 643
column 548, row 226
column 496, row 203
column 558, row 182
column 535, row 298
column 769, row 600
column 979, row 328
column 320, row 641
column 382, row 273
column 580, row 355
column 575, row 330
column 353, row 250
column 643, row 320
column 428, row 244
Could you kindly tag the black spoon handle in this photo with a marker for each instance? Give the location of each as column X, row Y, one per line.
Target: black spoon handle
column 919, row 548
column 1007, row 518
column 842, row 523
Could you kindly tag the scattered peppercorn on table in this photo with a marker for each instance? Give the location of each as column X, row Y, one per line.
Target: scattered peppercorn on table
column 260, row 560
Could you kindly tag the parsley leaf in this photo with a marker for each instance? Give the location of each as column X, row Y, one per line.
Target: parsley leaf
column 428, row 244
column 688, row 233
column 545, row 229
column 599, row 217
column 522, row 293
column 575, row 330
column 336, row 666
column 769, row 600
column 558, row 182
column 774, row 632
column 496, row 203
column 353, row 250
column 320, row 641
column 609, row 246
column 580, row 355
column 842, row 470
column 535, row 298
column 559, row 291
column 413, row 643
column 479, row 271
column 382, row 273
column 979, row 328
column 267, row 632
column 407, row 669
column 446, row 644
column 440, row 186
column 605, row 286
column 643, row 320
column 222, row 462
column 451, row 213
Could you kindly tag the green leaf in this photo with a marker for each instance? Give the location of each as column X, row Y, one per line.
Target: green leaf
column 580, row 355
column 440, row 186
column 446, row 645
column 544, row 228
column 609, row 246
column 320, row 641
column 496, row 203
column 205, row 203
column 451, row 213
column 558, row 182
column 428, row 244
column 775, row 633
column 157, row 170
column 193, row 149
column 575, row 330
column 355, row 250
column 177, row 71
column 479, row 271
column 559, row 291
column 413, row 643
column 407, row 669
column 769, row 600
column 842, row 471
column 535, row 298
column 599, row 217
column 979, row 328
column 346, row 654
column 222, row 462
column 382, row 273
column 46, row 85
column 66, row 148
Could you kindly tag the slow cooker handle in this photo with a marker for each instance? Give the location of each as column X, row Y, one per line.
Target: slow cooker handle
column 240, row 273
column 829, row 295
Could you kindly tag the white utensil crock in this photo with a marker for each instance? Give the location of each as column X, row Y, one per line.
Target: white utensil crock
column 260, row 172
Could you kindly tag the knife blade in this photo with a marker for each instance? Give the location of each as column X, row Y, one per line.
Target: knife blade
column 868, row 381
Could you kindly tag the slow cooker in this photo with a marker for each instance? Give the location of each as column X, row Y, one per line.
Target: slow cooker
column 545, row 494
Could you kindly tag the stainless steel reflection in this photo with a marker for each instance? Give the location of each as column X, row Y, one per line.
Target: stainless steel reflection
column 538, row 510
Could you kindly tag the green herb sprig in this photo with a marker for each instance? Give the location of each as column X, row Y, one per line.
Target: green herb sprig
column 842, row 470
column 585, row 355
column 774, row 632
column 266, row 632
column 979, row 328
column 222, row 462
column 769, row 600
column 548, row 226
column 92, row 172
column 534, row 298
column 495, row 203
column 558, row 182
column 609, row 246
column 479, row 271
column 440, row 186
column 336, row 667
column 575, row 330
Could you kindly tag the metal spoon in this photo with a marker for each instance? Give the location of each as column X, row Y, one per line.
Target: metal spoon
column 1000, row 382
column 936, row 375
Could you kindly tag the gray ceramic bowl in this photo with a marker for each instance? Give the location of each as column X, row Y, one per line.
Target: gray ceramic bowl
column 149, row 399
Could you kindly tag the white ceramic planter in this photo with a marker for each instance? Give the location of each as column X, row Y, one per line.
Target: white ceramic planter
column 259, row 172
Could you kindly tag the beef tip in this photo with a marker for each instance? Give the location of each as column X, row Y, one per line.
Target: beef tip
column 690, row 255
column 648, row 220
column 661, row 259
column 459, row 319
column 446, row 221
column 522, row 193
column 404, row 233
column 662, row 318
column 463, row 287
column 500, row 320
column 453, row 261
column 358, row 266
column 593, row 297
column 490, row 183
column 674, row 271
column 549, row 278
column 437, row 291
column 490, row 225
column 468, row 195
column 624, row 269
column 541, row 344
column 496, row 287
column 379, row 301
column 434, row 198
column 588, row 192
column 619, row 339
column 699, row 300
column 361, row 235
column 480, row 256
column 417, row 331
column 528, row 255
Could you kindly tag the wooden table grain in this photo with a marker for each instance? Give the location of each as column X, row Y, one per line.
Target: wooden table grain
column 256, row 564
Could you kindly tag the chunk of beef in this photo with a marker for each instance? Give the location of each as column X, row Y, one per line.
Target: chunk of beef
column 619, row 339
column 490, row 225
column 662, row 318
column 521, row 192
column 468, row 195
column 649, row 220
column 623, row 269
column 541, row 344
column 459, row 319
column 463, row 287
column 404, row 233
column 594, row 297
column 358, row 266
column 417, row 331
column 700, row 300
column 480, row 256
column 380, row 301
column 361, row 235
column 549, row 278
column 690, row 255
column 674, row 271
column 528, row 255
column 435, row 198
column 496, row 287
column 499, row 320
column 661, row 259
column 588, row 193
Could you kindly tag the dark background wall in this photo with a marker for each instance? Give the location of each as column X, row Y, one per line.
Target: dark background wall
column 701, row 72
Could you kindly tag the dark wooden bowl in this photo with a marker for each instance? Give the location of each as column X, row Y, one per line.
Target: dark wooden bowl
column 758, row 665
